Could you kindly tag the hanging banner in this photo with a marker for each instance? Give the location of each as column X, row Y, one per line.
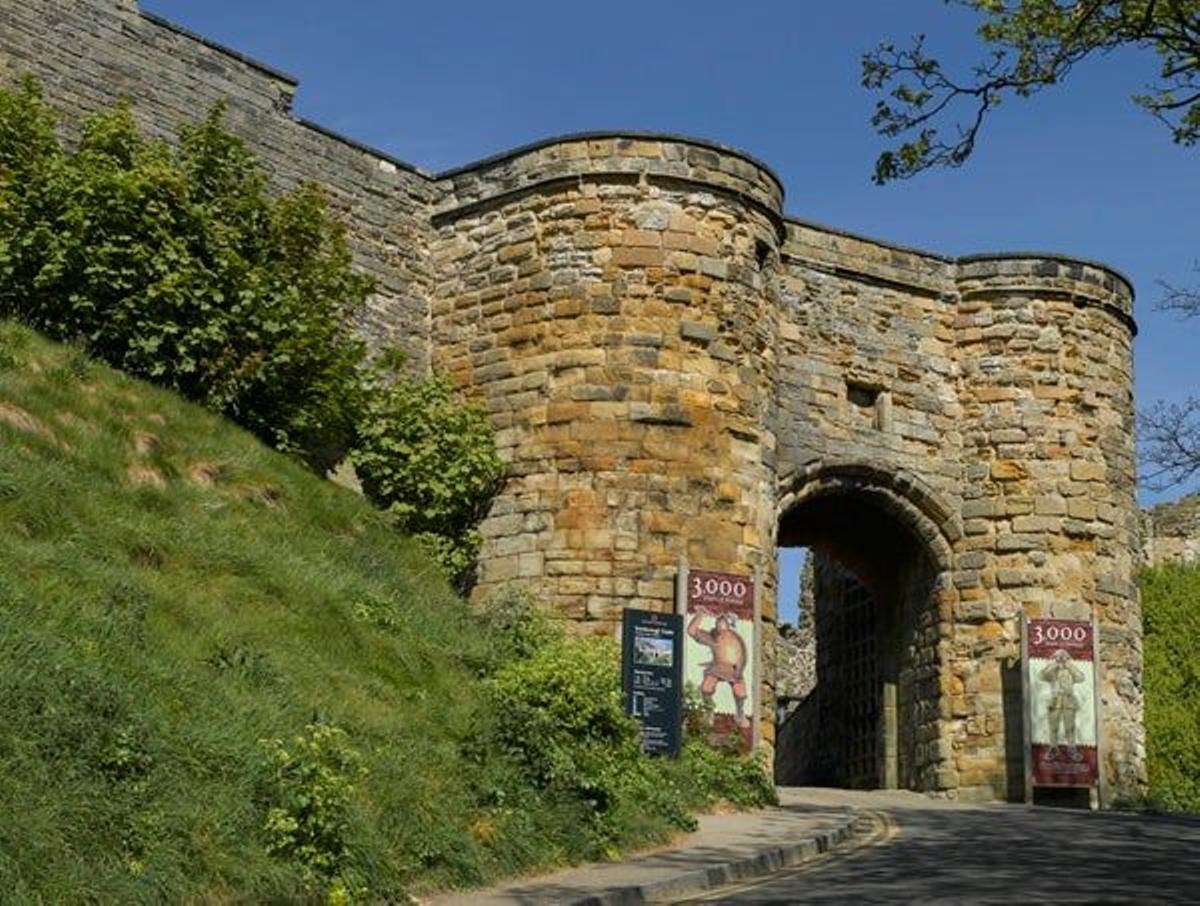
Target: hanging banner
column 719, row 653
column 652, row 677
column 1060, row 683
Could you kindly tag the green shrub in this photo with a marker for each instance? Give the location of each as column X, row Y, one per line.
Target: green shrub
column 430, row 461
column 714, row 775
column 173, row 264
column 516, row 625
column 1171, row 621
column 312, row 784
column 558, row 715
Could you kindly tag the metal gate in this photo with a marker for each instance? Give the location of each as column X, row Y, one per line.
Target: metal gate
column 850, row 682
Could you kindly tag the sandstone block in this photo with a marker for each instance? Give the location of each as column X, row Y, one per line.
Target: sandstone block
column 1008, row 470
column 1083, row 470
column 636, row 256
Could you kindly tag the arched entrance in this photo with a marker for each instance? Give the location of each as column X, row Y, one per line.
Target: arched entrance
column 880, row 560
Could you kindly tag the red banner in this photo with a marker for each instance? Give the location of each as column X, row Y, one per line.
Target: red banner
column 1064, row 765
column 1072, row 636
column 714, row 593
column 1060, row 676
column 719, row 650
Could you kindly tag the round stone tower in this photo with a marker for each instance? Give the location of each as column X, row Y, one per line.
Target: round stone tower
column 1050, row 517
column 612, row 300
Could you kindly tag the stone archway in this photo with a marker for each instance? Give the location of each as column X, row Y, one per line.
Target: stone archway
column 881, row 545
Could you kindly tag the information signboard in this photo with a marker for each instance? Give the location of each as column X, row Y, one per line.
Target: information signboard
column 719, row 655
column 652, row 675
column 1061, row 712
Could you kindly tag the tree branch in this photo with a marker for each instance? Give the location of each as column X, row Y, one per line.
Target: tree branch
column 1034, row 44
column 1183, row 301
column 1170, row 440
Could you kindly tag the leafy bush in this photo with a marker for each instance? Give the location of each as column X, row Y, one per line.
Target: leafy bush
column 1171, row 620
column 717, row 775
column 558, row 715
column 516, row 625
column 173, row 264
column 312, row 784
column 430, row 461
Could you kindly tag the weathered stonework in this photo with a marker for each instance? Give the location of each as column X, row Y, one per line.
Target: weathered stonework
column 677, row 370
column 1171, row 532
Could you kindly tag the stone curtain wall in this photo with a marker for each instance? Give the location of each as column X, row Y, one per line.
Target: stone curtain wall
column 673, row 368
column 1171, row 532
column 90, row 54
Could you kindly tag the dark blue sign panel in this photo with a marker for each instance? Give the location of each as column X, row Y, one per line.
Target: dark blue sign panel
column 652, row 673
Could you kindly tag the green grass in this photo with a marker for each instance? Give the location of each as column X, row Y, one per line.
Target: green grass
column 172, row 592
column 1171, row 615
column 184, row 616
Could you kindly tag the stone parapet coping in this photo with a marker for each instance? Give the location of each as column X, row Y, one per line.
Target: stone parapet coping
column 616, row 177
column 383, row 156
column 250, row 61
column 613, row 134
column 1076, row 266
column 963, row 261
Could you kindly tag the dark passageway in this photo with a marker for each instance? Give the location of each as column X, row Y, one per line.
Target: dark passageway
column 871, row 718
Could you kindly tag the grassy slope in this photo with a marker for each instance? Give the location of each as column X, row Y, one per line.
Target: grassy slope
column 1171, row 614
column 171, row 592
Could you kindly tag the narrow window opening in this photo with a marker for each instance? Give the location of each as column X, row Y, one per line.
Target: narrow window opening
column 861, row 395
column 873, row 401
column 762, row 252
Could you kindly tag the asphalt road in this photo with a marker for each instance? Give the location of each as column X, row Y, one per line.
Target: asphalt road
column 939, row 853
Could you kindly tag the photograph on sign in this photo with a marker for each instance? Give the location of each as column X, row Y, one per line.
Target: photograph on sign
column 653, row 652
column 1061, row 679
column 718, row 654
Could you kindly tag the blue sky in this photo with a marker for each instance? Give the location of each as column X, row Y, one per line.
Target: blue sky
column 1079, row 170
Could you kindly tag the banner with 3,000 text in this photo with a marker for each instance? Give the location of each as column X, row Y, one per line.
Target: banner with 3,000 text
column 719, row 652
column 1060, row 675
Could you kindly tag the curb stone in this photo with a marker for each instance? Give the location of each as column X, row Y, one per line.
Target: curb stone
column 758, row 865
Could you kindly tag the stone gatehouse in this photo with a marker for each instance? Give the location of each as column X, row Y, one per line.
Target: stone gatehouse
column 677, row 368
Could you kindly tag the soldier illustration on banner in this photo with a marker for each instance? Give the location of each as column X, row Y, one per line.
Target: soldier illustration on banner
column 1061, row 682
column 719, row 653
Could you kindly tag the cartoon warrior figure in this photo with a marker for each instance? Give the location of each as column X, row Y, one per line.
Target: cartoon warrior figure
column 1062, row 676
column 728, row 662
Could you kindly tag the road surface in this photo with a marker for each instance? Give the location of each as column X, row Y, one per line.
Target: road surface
column 932, row 852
